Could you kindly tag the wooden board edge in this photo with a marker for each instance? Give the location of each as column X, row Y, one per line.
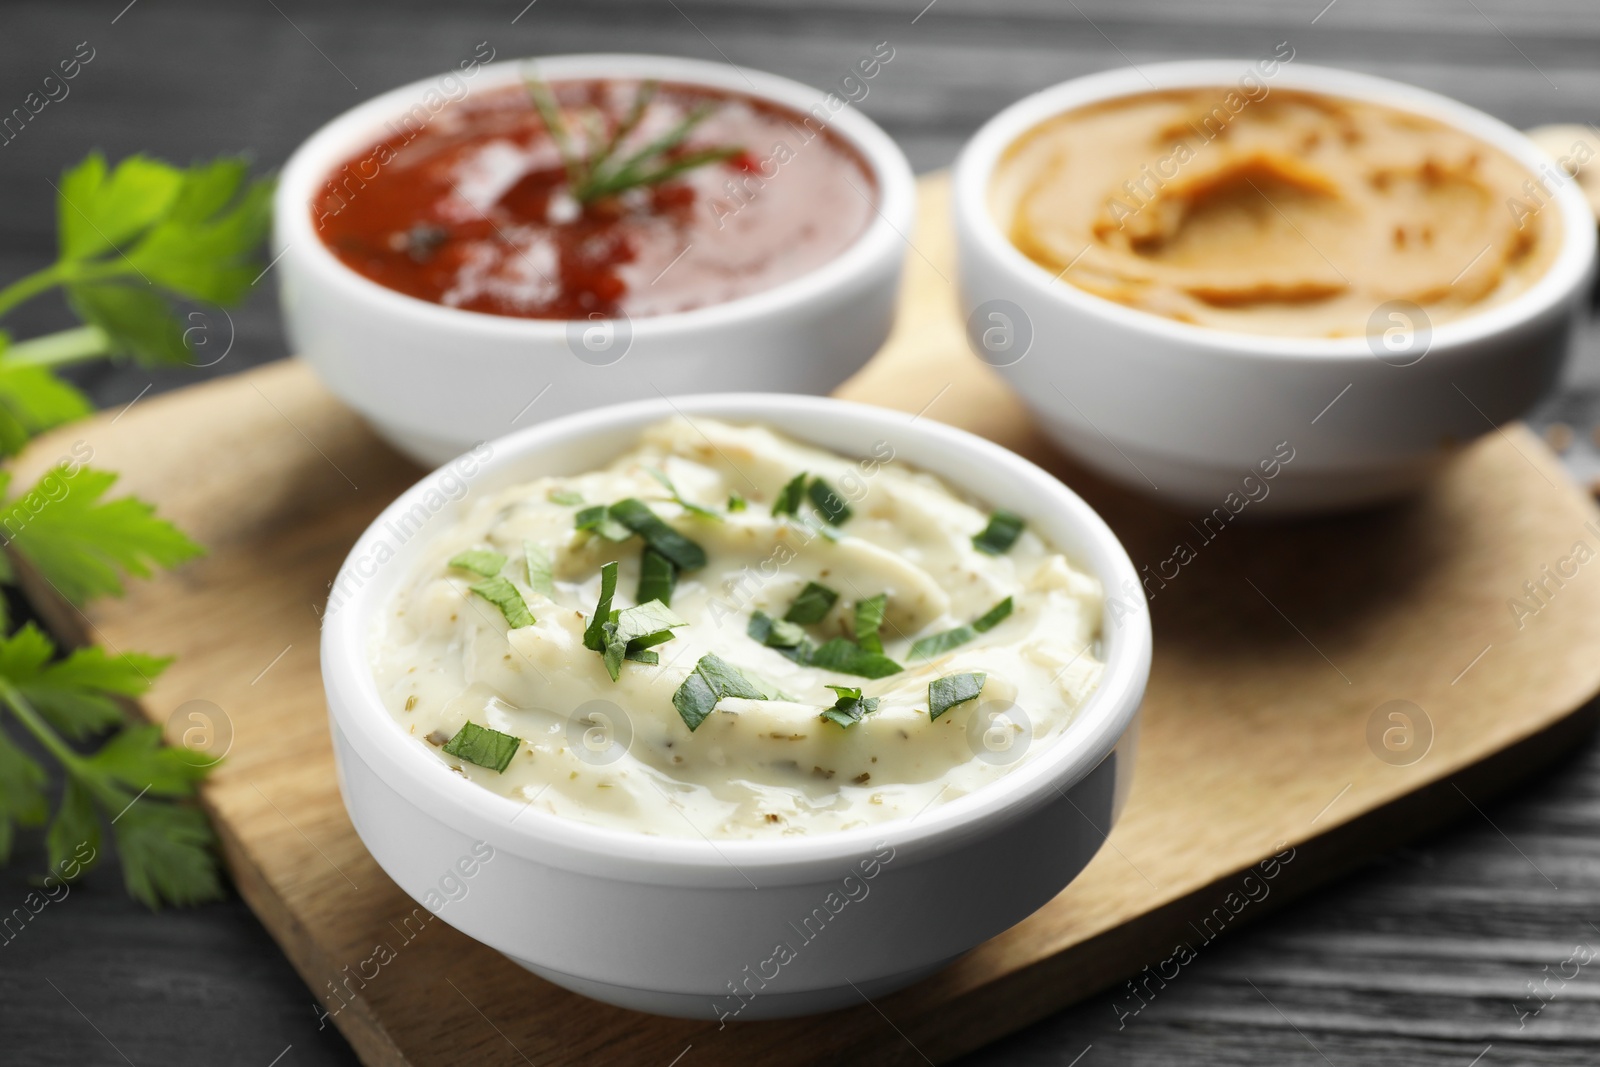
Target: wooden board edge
column 356, row 1021
column 1032, row 993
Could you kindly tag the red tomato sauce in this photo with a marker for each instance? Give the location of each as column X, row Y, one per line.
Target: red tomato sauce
column 473, row 208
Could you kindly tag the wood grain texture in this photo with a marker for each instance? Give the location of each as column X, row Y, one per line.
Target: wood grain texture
column 1271, row 659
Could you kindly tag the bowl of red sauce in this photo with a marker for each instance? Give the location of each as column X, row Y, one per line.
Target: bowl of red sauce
column 478, row 251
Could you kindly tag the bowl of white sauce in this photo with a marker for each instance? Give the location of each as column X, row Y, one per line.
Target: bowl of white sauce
column 735, row 706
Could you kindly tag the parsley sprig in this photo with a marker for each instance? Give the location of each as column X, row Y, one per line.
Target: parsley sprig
column 133, row 241
column 132, row 783
column 137, row 244
column 599, row 168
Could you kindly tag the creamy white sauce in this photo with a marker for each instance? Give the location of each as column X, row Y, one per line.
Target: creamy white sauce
column 618, row 754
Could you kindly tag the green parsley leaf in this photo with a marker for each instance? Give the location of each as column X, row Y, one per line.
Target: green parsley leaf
column 22, row 799
column 597, row 519
column 945, row 693
column 851, row 707
column 737, row 502
column 202, row 248
column 75, row 826
column 869, row 620
column 1002, row 532
column 166, row 853
column 677, row 497
column 636, row 515
column 541, row 568
column 594, row 635
column 483, row 746
column 788, row 501
column 138, row 322
column 775, row 633
column 78, row 694
column 130, row 234
column 136, row 758
column 503, row 595
column 564, row 497
column 165, row 850
column 32, row 400
column 940, row 643
column 712, row 679
column 847, row 657
column 480, row 561
column 79, row 543
column 830, row 503
column 99, row 211
column 658, row 577
column 812, row 605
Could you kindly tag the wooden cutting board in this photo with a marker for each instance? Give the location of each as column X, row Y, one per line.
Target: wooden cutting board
column 1276, row 647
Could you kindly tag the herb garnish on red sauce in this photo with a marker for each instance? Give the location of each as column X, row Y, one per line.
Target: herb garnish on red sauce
column 483, row 209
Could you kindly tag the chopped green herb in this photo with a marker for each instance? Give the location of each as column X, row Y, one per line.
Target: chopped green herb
column 541, row 568
column 869, row 620
column 677, row 497
column 945, row 693
column 940, row 643
column 813, row 603
column 1002, row 532
column 830, row 503
column 851, row 707
column 599, row 170
column 727, row 679
column 564, row 497
column 768, row 690
column 599, row 520
column 480, row 561
column 993, row 617
column 775, row 633
column 816, row 526
column 695, row 699
column 847, row 657
column 789, row 496
column 636, row 515
column 647, row 624
column 737, row 502
column 503, row 595
column 658, row 577
column 712, row 679
column 483, row 746
column 594, row 635
column 632, row 630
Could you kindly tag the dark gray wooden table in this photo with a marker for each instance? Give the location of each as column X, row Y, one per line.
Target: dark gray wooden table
column 1428, row 956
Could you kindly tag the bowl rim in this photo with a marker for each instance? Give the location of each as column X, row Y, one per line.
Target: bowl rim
column 974, row 166
column 356, row 707
column 333, row 144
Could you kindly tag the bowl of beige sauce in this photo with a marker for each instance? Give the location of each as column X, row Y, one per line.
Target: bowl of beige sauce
column 1256, row 280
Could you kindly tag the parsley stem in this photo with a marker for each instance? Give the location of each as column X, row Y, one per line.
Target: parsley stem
column 63, row 272
column 55, row 349
column 103, row 789
column 29, row 717
column 30, row 286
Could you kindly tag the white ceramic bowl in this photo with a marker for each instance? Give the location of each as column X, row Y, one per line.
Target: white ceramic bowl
column 1185, row 413
column 673, row 925
column 433, row 380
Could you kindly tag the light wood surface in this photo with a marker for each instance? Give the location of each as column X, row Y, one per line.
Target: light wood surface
column 1273, row 650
